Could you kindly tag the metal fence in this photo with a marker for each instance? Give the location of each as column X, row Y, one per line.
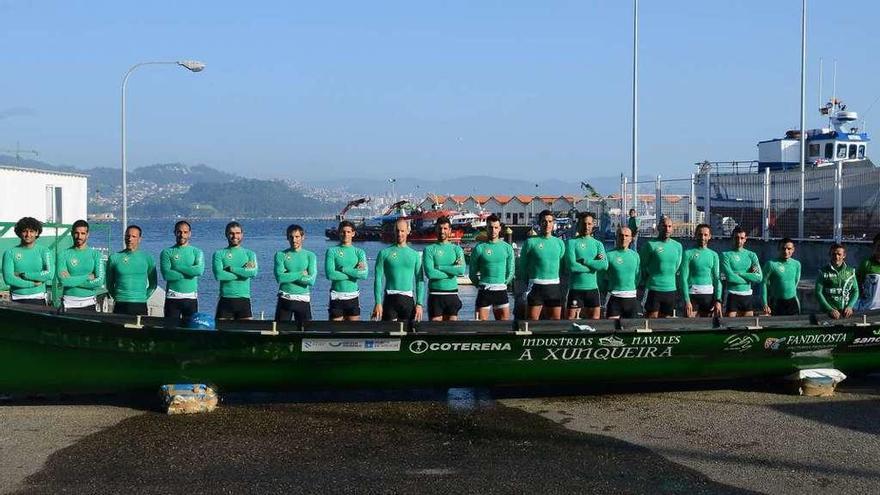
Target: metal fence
column 839, row 202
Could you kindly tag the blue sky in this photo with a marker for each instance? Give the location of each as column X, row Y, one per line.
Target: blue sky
column 436, row 89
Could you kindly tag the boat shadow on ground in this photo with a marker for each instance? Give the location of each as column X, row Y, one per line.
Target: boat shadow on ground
column 460, row 399
column 381, row 447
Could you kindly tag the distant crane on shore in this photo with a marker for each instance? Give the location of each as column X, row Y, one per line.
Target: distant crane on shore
column 18, row 151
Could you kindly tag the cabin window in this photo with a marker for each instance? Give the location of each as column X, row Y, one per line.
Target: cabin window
column 829, row 151
column 53, row 204
column 841, row 151
column 814, row 150
column 852, row 151
column 861, row 151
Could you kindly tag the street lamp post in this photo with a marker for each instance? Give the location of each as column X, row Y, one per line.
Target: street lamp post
column 192, row 65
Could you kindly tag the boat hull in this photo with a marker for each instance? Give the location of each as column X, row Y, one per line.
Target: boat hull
column 44, row 353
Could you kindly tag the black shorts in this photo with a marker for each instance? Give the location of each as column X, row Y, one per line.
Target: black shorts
column 495, row 299
column 339, row 308
column 398, row 307
column 179, row 311
column 31, row 302
column 738, row 303
column 130, row 308
column 703, row 303
column 287, row 310
column 662, row 302
column 233, row 308
column 578, row 299
column 549, row 295
column 624, row 307
column 443, row 304
column 785, row 307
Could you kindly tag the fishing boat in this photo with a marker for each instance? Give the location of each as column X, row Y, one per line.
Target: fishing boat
column 42, row 351
column 736, row 189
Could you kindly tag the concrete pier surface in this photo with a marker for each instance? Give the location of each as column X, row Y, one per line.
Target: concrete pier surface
column 737, row 438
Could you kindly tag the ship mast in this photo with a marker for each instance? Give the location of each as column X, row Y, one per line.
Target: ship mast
column 803, row 115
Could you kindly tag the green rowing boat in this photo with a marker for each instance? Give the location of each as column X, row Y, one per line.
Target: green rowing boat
column 45, row 352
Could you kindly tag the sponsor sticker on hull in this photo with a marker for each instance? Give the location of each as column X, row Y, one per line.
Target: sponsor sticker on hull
column 350, row 345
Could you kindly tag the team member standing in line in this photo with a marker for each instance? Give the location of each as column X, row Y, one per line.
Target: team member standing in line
column 622, row 278
column 80, row 270
column 868, row 276
column 836, row 288
column 660, row 261
column 295, row 270
column 344, row 265
column 181, row 266
column 700, row 277
column 742, row 269
column 491, row 269
column 585, row 257
column 234, row 267
column 28, row 267
column 539, row 265
column 399, row 286
column 443, row 262
column 781, row 277
column 131, row 276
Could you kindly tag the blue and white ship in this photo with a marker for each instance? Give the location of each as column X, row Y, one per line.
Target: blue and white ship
column 739, row 190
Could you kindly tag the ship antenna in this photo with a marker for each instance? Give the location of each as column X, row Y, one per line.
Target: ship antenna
column 819, row 96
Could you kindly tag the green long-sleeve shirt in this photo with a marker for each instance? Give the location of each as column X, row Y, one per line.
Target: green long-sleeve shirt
column 85, row 271
column 540, row 258
column 23, row 267
column 736, row 266
column 443, row 263
column 399, row 269
column 341, row 267
column 492, row 263
column 660, row 261
column 780, row 280
column 236, row 280
column 181, row 267
column 581, row 262
column 623, row 270
column 836, row 288
column 131, row 276
column 295, row 271
column 699, row 266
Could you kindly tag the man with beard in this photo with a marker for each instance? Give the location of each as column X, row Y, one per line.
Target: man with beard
column 700, row 277
column 344, row 266
column 296, row 270
column 491, row 269
column 181, row 266
column 28, row 267
column 80, row 270
column 234, row 266
column 443, row 262
column 540, row 259
column 781, row 278
column 585, row 256
column 742, row 269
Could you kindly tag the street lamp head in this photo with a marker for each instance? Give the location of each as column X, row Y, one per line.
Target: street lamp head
column 193, row 65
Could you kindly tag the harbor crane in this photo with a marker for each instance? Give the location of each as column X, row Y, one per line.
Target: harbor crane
column 18, row 151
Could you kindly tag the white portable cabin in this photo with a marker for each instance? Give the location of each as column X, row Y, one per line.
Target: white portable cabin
column 48, row 196
column 824, row 146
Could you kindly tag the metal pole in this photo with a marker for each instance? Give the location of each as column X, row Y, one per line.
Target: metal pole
column 635, row 106
column 658, row 200
column 692, row 211
column 623, row 202
column 765, row 220
column 803, row 115
column 838, row 202
column 707, row 209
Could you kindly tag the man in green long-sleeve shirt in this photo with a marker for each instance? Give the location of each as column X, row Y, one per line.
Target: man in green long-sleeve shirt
column 836, row 288
column 131, row 276
column 742, row 269
column 234, row 267
column 868, row 276
column 296, row 270
column 344, row 266
column 540, row 260
column 80, row 270
column 28, row 267
column 781, row 277
column 584, row 258
column 622, row 278
column 660, row 261
column 398, row 286
column 700, row 277
column 491, row 269
column 181, row 265
column 443, row 262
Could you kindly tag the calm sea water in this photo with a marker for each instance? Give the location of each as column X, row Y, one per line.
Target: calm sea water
column 265, row 237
